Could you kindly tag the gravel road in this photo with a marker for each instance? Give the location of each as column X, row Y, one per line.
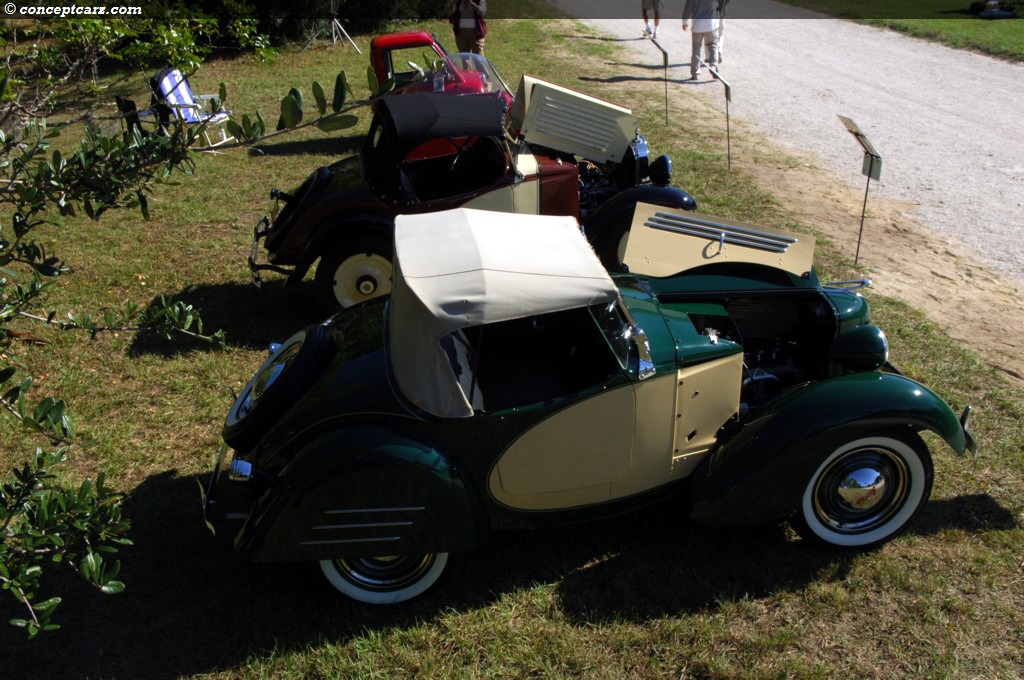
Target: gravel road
column 946, row 122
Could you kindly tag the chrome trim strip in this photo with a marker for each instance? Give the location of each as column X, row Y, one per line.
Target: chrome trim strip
column 351, row 540
column 322, row 527
column 351, row 511
column 724, row 234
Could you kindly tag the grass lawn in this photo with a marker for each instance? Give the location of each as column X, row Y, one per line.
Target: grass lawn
column 646, row 595
column 946, row 21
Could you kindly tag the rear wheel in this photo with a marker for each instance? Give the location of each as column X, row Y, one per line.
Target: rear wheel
column 354, row 271
column 386, row 579
column 866, row 491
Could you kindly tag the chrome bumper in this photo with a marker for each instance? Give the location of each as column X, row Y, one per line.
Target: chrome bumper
column 209, row 491
column 259, row 233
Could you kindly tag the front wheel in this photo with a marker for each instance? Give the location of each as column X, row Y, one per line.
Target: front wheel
column 866, row 491
column 386, row 579
column 354, row 271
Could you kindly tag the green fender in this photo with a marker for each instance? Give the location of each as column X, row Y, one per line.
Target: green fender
column 759, row 469
column 361, row 492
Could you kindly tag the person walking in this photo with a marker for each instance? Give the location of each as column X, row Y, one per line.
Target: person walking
column 705, row 16
column 657, row 6
column 467, row 19
column 721, row 29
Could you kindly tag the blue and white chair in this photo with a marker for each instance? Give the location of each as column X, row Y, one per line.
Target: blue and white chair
column 173, row 95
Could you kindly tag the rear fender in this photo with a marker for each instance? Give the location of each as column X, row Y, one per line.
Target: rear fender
column 329, row 232
column 759, row 470
column 362, row 492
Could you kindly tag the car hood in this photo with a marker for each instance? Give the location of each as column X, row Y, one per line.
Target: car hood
column 664, row 242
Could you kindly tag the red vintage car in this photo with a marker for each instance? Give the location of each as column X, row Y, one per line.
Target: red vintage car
column 416, row 62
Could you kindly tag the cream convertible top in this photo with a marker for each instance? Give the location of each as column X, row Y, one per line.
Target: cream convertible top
column 461, row 268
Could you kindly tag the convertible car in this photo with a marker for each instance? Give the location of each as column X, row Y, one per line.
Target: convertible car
column 508, row 382
column 416, row 62
column 555, row 152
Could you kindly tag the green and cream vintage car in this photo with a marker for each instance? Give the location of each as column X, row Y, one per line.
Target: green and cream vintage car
column 509, row 381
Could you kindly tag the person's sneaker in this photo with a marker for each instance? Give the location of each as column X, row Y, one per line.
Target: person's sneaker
column 647, row 30
column 655, row 34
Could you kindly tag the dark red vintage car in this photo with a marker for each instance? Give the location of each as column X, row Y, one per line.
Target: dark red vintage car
column 554, row 151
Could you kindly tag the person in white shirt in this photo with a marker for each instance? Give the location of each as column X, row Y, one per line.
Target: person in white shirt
column 705, row 16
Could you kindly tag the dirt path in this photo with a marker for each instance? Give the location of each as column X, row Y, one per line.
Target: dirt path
column 943, row 227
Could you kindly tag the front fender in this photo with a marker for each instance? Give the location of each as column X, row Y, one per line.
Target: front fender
column 758, row 471
column 621, row 205
column 361, row 492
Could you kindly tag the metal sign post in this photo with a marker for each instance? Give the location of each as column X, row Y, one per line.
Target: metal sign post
column 728, row 98
column 872, row 169
column 664, row 58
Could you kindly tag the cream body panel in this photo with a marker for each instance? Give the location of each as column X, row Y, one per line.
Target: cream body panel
column 653, row 437
column 570, row 459
column 521, row 197
column 709, row 394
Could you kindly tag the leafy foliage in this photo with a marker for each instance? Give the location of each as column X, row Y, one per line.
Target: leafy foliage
column 43, row 522
column 43, row 519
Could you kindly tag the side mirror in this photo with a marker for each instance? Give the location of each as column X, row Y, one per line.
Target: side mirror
column 646, row 369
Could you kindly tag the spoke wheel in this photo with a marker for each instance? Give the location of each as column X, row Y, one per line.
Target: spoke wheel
column 386, row 579
column 354, row 272
column 866, row 491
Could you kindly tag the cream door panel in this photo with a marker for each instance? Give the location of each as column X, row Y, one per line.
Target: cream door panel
column 570, row 459
column 709, row 394
column 653, row 437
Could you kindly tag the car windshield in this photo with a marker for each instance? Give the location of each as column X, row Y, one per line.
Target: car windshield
column 615, row 327
column 478, row 68
column 455, row 74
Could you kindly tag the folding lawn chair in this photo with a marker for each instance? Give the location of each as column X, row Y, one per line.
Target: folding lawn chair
column 172, row 94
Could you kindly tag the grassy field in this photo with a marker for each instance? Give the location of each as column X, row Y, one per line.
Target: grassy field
column 946, row 21
column 647, row 595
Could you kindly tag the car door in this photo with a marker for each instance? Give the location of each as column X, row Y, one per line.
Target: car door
column 566, row 404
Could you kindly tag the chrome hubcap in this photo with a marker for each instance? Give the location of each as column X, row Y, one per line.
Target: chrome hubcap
column 861, row 490
column 385, row 572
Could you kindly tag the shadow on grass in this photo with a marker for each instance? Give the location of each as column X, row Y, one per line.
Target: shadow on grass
column 667, row 568
column 602, row 38
column 191, row 607
column 328, row 145
column 636, row 79
column 251, row 316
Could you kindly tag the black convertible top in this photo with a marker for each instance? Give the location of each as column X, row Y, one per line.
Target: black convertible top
column 414, row 118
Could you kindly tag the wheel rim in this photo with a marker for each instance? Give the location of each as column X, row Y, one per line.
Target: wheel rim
column 385, row 573
column 861, row 490
column 362, row 277
column 266, row 378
